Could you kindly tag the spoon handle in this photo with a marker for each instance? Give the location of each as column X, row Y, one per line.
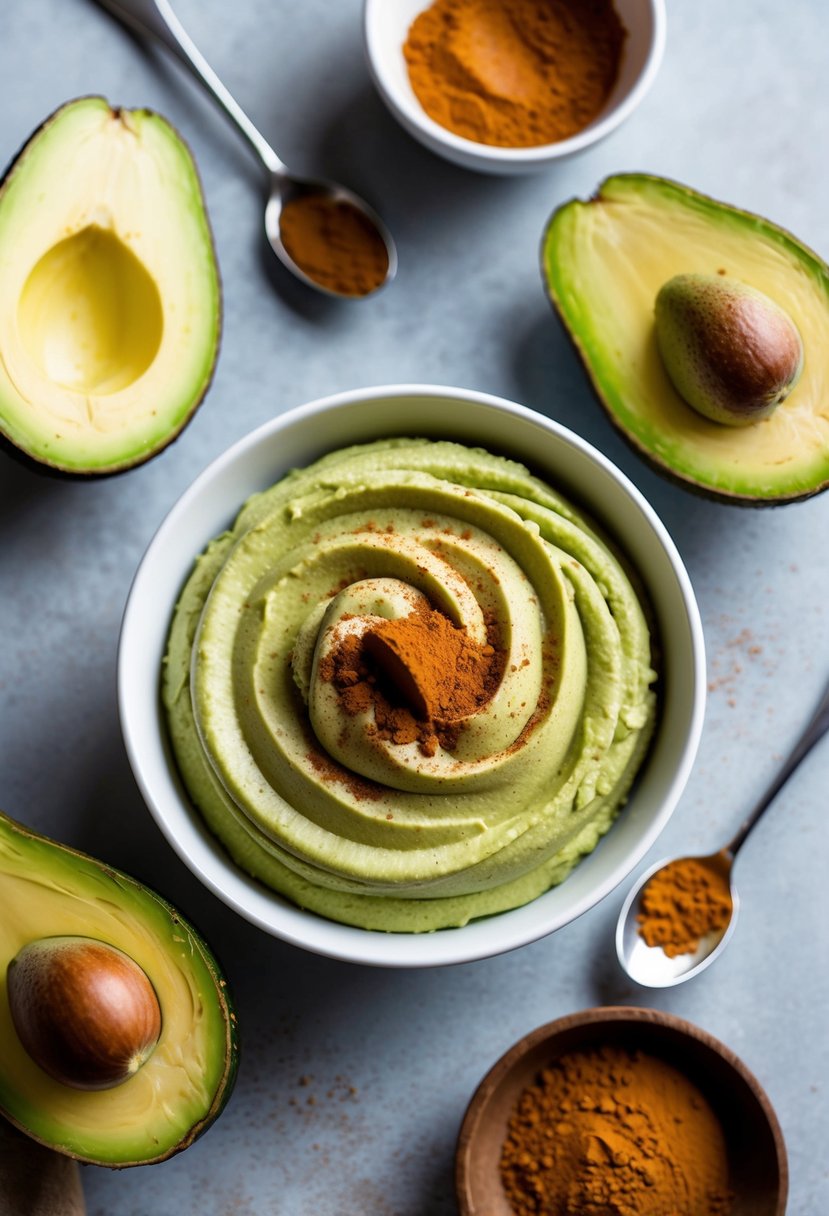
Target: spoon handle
column 816, row 729
column 156, row 18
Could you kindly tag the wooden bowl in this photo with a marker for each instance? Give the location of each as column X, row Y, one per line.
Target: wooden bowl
column 756, row 1150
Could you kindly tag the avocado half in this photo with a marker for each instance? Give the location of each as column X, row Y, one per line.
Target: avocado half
column 46, row 890
column 603, row 263
column 110, row 304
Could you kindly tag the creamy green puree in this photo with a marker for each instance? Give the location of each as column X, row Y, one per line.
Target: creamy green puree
column 318, row 803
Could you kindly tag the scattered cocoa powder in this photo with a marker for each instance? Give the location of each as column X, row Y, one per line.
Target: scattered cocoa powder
column 329, row 770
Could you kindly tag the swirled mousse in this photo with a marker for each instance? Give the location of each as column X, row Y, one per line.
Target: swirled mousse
column 411, row 686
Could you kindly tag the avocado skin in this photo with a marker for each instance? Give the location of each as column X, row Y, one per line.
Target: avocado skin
column 674, row 476
column 56, row 471
column 19, row 836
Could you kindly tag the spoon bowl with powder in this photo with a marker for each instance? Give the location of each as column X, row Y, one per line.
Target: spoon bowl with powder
column 322, row 232
column 681, row 914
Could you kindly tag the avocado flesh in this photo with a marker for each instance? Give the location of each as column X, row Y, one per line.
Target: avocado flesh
column 109, row 292
column 49, row 890
column 604, row 262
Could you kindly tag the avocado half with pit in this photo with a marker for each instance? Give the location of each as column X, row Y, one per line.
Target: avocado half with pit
column 51, row 894
column 604, row 263
column 110, row 305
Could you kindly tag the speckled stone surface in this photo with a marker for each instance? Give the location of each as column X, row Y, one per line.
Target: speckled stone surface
column 353, row 1081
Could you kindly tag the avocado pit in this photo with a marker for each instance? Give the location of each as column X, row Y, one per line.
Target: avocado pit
column 84, row 1011
column 730, row 351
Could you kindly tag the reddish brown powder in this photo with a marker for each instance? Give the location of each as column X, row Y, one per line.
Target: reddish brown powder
column 612, row 1132
column 421, row 674
column 442, row 672
column 329, row 770
column 514, row 73
column 335, row 244
column 683, row 902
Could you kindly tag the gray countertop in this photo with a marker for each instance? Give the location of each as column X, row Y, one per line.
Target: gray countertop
column 353, row 1081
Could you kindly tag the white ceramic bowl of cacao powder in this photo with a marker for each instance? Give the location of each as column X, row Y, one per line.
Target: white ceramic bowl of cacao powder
column 386, row 25
column 565, row 461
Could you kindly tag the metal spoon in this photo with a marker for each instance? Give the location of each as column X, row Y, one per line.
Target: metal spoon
column 650, row 965
column 157, row 19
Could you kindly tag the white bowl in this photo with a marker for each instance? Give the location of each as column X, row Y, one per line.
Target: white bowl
column 386, row 25
column 297, row 438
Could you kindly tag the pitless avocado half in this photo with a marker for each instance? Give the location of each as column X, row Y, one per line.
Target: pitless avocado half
column 604, row 263
column 110, row 305
column 49, row 893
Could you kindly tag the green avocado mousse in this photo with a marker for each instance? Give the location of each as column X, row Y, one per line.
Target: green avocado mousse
column 411, row 686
